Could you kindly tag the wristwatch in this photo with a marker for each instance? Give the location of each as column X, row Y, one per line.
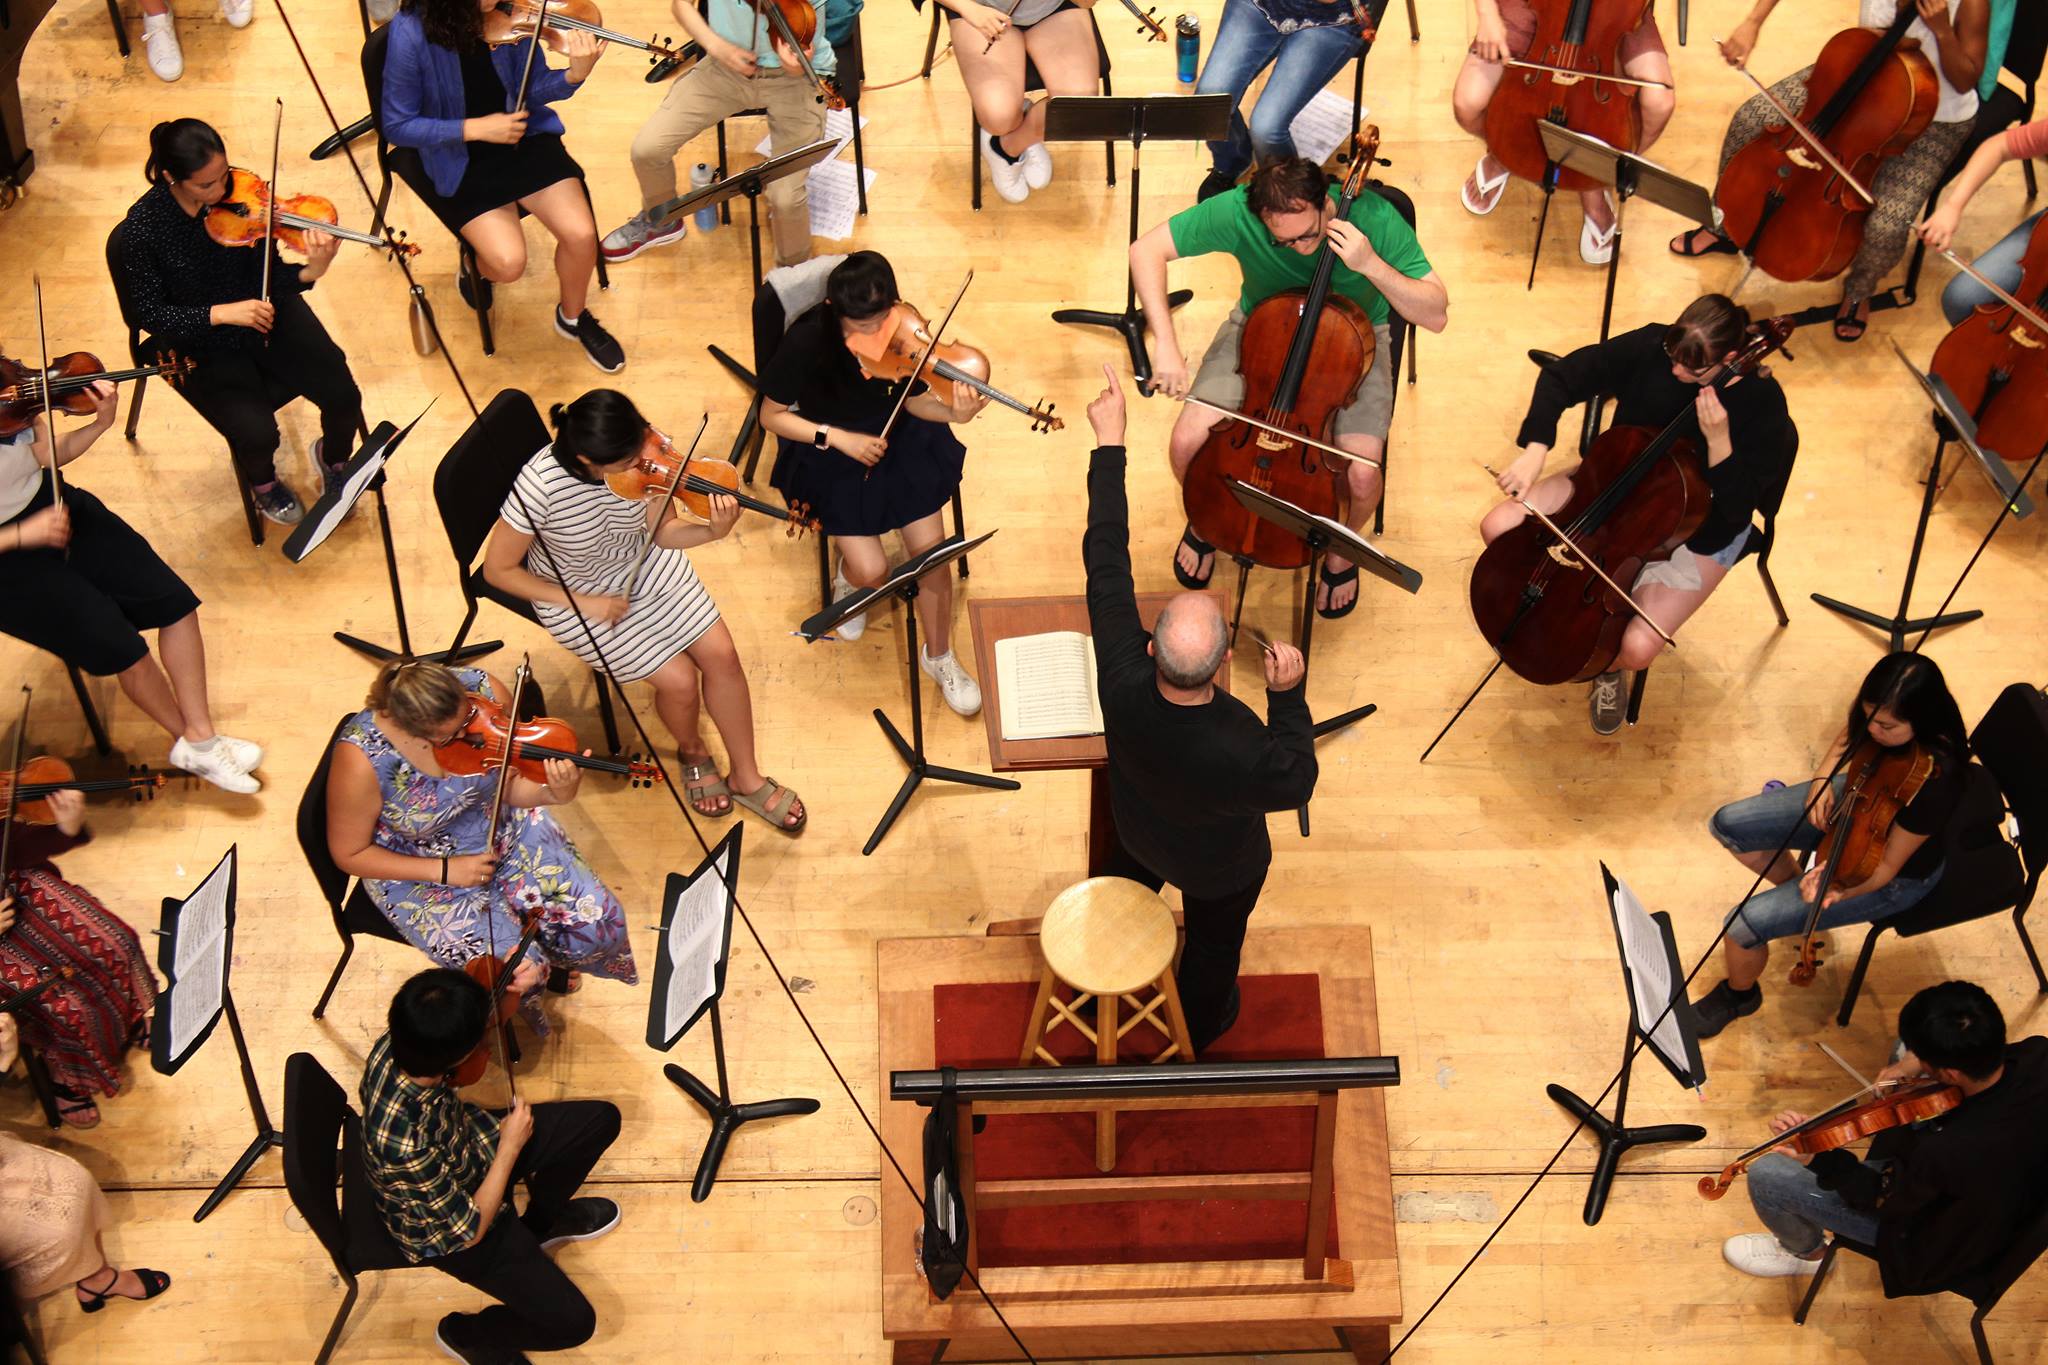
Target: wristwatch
column 819, row 439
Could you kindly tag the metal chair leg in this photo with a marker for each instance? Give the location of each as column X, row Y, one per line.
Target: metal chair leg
column 604, row 711
column 860, row 160
column 604, row 279
column 462, row 631
column 1977, row 1335
column 348, row 1304
column 40, row 1082
column 92, row 713
column 1635, row 694
column 960, row 527
column 249, row 508
column 2019, row 922
column 1856, row 977
column 348, row 948
column 931, row 50
column 974, row 155
column 121, row 41
column 824, row 571
column 1827, row 1262
column 1763, row 571
column 135, row 404
column 1108, row 148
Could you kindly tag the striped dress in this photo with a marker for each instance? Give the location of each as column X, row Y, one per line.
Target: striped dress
column 593, row 535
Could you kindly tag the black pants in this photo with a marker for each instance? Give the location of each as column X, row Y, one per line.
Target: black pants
column 1215, row 937
column 238, row 392
column 541, row 1308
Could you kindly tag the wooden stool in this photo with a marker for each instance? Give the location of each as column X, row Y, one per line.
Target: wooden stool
column 1108, row 938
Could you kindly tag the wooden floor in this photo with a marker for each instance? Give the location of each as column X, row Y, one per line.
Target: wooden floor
column 1478, row 872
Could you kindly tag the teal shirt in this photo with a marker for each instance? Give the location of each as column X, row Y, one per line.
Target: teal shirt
column 1227, row 223
column 734, row 21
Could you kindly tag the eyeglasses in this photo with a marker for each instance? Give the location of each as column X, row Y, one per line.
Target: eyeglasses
column 1286, row 243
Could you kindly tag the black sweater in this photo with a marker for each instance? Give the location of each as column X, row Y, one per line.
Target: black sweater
column 1190, row 785
column 1633, row 370
column 173, row 274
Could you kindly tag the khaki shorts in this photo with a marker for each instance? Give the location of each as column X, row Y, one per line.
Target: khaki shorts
column 1218, row 381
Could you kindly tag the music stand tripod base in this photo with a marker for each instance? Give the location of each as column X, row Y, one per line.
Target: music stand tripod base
column 1614, row 1139
column 726, row 1117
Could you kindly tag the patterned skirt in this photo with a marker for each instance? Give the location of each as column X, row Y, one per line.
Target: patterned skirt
column 81, row 1026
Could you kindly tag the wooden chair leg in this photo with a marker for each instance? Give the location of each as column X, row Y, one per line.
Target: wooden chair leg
column 1183, row 1041
column 1105, row 1055
column 1035, row 1030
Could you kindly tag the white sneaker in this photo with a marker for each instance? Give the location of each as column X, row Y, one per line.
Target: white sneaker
column 961, row 692
column 244, row 754
column 1009, row 177
column 1037, row 162
column 1759, row 1254
column 160, row 46
column 216, row 765
column 853, row 627
column 238, row 13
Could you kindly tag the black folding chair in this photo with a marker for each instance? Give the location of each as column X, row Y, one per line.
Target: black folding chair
column 1402, row 338
column 348, row 903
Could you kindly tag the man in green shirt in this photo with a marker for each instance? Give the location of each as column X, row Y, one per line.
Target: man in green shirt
column 1274, row 225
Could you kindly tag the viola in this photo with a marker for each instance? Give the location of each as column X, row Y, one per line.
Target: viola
column 47, row 773
column 796, row 23
column 901, row 348
column 480, row 745
column 1303, row 354
column 1996, row 362
column 1878, row 783
column 242, row 218
column 512, row 21
column 1793, row 215
column 66, row 383
column 495, row 975
column 1845, row 1123
column 1580, row 41
column 695, row 480
column 1636, row 496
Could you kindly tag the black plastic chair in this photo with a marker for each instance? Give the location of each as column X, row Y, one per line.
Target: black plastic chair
column 323, row 1170
column 851, row 58
column 1402, row 332
column 405, row 164
column 347, row 902
column 471, row 483
column 14, row 1328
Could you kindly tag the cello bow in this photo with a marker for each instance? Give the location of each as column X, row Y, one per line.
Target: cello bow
column 1566, row 546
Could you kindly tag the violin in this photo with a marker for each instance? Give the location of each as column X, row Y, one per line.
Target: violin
column 1571, row 77
column 1996, row 363
column 1878, row 784
column 1847, row 1122
column 1636, row 497
column 242, row 218
column 796, row 23
column 27, row 995
column 902, row 348
column 482, row 742
column 512, row 21
column 67, row 382
column 1155, row 32
column 495, row 975
column 1303, row 354
column 1784, row 206
column 694, row 480
column 47, row 773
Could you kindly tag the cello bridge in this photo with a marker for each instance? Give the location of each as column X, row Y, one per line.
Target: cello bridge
column 1802, row 158
column 1268, row 441
column 1566, row 557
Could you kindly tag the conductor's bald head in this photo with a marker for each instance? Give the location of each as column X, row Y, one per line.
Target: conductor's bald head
column 1189, row 639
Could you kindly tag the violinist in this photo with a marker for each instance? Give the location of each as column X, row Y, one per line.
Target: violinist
column 1903, row 701
column 991, row 44
column 441, row 1172
column 1274, row 225
column 1506, row 29
column 415, row 834
column 84, row 1023
column 1952, row 36
column 1305, row 42
column 652, row 620
column 451, row 97
column 746, row 66
column 78, row 581
column 829, row 416
column 1941, row 1200
column 2002, row 263
column 1654, row 373
column 204, row 300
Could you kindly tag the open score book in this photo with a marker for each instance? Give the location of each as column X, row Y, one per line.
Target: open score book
column 1046, row 686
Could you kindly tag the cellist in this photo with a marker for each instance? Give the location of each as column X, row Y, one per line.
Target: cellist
column 1274, row 224
column 1653, row 373
column 1952, row 36
column 2002, row 262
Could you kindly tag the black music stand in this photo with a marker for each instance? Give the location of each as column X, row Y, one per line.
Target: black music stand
column 1137, row 119
column 903, row 583
column 1655, row 983
column 751, row 182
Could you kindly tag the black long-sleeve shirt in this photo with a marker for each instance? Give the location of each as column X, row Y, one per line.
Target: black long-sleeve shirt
column 1190, row 785
column 173, row 274
column 1633, row 370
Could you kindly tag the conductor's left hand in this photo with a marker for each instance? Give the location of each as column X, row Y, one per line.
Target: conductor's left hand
column 1284, row 668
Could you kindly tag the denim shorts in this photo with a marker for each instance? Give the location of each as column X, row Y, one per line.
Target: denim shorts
column 1759, row 824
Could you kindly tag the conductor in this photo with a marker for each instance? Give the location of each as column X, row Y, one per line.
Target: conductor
column 1192, row 771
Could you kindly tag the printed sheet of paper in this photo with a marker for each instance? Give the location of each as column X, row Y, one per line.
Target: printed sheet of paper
column 1046, row 686
column 1649, row 974
column 199, row 975
column 1322, row 125
column 696, row 934
column 834, row 204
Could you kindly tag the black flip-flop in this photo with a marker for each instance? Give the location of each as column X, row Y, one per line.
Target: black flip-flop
column 1849, row 327
column 1716, row 245
column 1200, row 547
column 1334, row 581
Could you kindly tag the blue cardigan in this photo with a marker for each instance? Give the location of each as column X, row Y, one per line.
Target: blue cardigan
column 423, row 99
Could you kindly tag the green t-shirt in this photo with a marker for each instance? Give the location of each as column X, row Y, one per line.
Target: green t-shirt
column 1227, row 223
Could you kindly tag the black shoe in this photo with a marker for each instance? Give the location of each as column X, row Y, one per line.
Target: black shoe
column 469, row 290
column 1213, row 184
column 1606, row 704
column 1721, row 1006
column 1223, row 1025
column 278, row 503
column 582, row 1220
column 474, row 1355
column 331, row 473
column 602, row 348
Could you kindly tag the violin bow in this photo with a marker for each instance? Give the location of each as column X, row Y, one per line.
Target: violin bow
column 540, row 26
column 660, row 512
column 1565, row 75
column 931, row 344
column 503, row 969
column 49, row 433
column 270, row 205
column 1009, row 10
column 13, row 792
column 1566, row 543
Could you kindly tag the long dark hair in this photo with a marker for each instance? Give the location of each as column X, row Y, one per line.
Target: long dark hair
column 1911, row 687
column 457, row 25
column 602, row 426
column 861, row 286
column 179, row 148
column 1711, row 326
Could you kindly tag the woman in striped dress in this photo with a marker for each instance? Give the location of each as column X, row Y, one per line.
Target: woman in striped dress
column 562, row 531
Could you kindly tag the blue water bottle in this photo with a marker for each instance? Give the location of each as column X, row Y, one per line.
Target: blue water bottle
column 707, row 217
column 1187, row 46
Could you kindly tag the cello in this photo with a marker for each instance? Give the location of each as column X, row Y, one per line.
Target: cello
column 1547, row 601
column 1996, row 362
column 1791, row 200
column 1303, row 354
column 1572, row 78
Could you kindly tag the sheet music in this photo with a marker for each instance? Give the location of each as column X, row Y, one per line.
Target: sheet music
column 834, row 203
column 199, row 975
column 1322, row 125
column 695, row 934
column 1045, row 686
column 1649, row 975
column 838, row 130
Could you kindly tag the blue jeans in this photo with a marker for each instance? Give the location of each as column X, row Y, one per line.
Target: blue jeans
column 1303, row 63
column 1760, row 824
column 1797, row 1210
column 2001, row 264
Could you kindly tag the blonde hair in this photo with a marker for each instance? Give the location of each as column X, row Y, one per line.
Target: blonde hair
column 419, row 695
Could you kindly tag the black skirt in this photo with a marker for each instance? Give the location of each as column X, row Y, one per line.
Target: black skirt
column 917, row 477
column 498, row 175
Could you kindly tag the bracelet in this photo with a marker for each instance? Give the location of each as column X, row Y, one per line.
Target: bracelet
column 444, row 871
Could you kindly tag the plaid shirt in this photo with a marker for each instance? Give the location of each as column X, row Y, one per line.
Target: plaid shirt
column 426, row 1152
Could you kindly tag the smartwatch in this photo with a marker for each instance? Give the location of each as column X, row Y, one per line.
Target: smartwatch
column 819, row 439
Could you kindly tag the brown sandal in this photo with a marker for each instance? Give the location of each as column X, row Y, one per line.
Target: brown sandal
column 702, row 782
column 763, row 801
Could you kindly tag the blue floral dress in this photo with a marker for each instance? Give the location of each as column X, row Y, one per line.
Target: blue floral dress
column 582, row 925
